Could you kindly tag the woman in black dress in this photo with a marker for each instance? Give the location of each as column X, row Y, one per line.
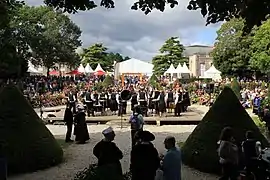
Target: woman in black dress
column 161, row 103
column 80, row 129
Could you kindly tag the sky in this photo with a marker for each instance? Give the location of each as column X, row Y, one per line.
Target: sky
column 134, row 34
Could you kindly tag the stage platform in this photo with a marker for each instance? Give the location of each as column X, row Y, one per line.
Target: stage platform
column 187, row 118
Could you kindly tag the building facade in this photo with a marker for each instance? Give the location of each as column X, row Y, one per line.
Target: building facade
column 200, row 59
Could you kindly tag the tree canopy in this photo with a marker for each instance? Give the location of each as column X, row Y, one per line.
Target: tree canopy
column 260, row 48
column 231, row 54
column 170, row 53
column 214, row 11
column 39, row 34
column 98, row 54
column 243, row 56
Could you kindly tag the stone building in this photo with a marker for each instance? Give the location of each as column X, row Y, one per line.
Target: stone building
column 199, row 59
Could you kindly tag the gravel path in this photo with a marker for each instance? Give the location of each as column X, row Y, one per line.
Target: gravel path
column 77, row 157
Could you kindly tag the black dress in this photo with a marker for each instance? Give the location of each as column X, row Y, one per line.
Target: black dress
column 113, row 102
column 80, row 129
column 161, row 103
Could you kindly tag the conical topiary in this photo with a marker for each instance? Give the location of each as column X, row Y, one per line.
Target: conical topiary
column 200, row 149
column 236, row 88
column 108, row 81
column 26, row 142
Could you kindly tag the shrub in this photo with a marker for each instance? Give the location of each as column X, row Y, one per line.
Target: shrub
column 26, row 142
column 200, row 149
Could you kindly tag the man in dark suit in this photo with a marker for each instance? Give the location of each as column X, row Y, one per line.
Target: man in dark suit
column 68, row 119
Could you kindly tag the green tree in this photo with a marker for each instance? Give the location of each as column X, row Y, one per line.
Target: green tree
column 13, row 55
column 211, row 9
column 50, row 35
column 232, row 51
column 260, row 47
column 171, row 53
column 236, row 88
column 115, row 57
column 96, row 54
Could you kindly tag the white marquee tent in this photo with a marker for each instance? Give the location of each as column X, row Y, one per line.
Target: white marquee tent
column 31, row 69
column 99, row 68
column 134, row 66
column 185, row 69
column 213, row 73
column 171, row 70
column 88, row 69
column 81, row 69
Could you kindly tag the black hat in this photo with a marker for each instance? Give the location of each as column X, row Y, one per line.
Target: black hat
column 145, row 136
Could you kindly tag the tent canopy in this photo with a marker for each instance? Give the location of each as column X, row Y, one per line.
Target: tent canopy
column 32, row 69
column 81, row 69
column 212, row 70
column 99, row 68
column 171, row 70
column 185, row 69
column 135, row 66
column 88, row 69
column 179, row 68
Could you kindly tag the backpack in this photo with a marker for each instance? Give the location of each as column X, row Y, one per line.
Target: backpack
column 135, row 122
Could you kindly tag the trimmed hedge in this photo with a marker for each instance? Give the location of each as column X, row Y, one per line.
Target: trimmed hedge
column 91, row 173
column 26, row 142
column 200, row 149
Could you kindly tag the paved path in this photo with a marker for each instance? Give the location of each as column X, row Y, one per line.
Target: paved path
column 77, row 157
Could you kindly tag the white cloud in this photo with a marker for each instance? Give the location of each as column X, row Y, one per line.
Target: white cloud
column 137, row 35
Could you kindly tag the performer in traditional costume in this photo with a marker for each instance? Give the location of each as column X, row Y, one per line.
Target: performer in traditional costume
column 72, row 101
column 178, row 103
column 142, row 99
column 161, row 103
column 122, row 105
column 186, row 100
column 134, row 99
column 113, row 103
column 169, row 100
column 156, row 101
column 80, row 129
column 103, row 100
column 151, row 105
column 89, row 102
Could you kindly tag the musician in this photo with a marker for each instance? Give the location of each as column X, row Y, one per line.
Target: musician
column 134, row 100
column 169, row 99
column 186, row 100
column 161, row 103
column 151, row 104
column 142, row 98
column 96, row 98
column 72, row 101
column 102, row 100
column 178, row 103
column 122, row 105
column 89, row 102
column 156, row 100
column 113, row 103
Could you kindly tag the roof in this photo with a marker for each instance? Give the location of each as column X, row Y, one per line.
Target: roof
column 197, row 49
